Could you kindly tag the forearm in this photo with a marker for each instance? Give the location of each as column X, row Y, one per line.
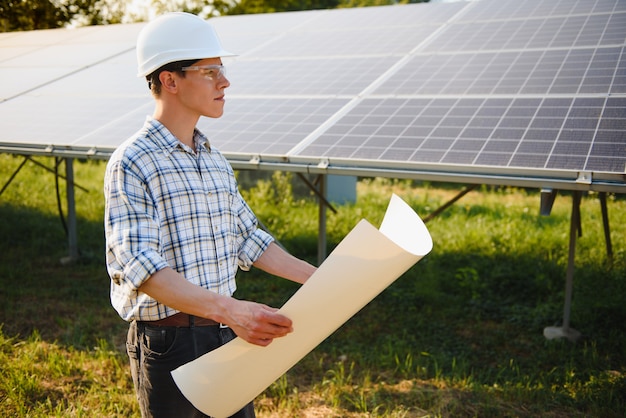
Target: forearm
column 172, row 289
column 254, row 322
column 280, row 263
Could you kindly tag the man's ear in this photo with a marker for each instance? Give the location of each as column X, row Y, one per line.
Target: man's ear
column 168, row 81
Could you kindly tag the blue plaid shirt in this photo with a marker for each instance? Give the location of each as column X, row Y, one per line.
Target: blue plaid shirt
column 169, row 206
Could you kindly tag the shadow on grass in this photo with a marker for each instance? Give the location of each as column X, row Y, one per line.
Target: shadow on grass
column 71, row 303
column 473, row 325
column 470, row 320
column 68, row 304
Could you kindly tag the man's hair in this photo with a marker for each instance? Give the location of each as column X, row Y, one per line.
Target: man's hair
column 154, row 83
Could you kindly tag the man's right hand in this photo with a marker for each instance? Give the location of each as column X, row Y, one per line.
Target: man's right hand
column 256, row 323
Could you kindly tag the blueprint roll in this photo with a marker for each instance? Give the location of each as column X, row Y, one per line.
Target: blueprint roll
column 364, row 263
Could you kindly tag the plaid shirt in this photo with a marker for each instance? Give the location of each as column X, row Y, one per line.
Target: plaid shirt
column 168, row 206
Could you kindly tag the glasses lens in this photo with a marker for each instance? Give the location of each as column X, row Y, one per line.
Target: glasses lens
column 213, row 73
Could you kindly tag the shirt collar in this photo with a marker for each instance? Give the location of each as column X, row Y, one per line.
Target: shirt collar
column 166, row 140
column 201, row 140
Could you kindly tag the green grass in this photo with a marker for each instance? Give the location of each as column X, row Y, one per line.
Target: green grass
column 458, row 335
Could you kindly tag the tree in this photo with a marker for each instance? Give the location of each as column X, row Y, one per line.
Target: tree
column 98, row 12
column 203, row 8
column 46, row 14
column 272, row 6
column 367, row 3
column 31, row 14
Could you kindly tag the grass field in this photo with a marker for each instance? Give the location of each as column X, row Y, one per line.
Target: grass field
column 459, row 335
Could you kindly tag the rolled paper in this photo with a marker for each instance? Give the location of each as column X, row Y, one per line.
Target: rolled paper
column 364, row 263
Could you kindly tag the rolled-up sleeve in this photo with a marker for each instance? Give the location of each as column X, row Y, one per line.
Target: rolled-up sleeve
column 131, row 228
column 254, row 241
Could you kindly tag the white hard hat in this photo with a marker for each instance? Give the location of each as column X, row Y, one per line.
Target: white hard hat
column 174, row 37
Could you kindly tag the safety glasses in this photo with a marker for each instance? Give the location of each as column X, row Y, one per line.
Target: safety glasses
column 210, row 72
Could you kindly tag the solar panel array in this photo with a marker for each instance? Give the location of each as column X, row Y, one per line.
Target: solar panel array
column 527, row 91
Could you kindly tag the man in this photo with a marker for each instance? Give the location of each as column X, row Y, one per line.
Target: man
column 177, row 228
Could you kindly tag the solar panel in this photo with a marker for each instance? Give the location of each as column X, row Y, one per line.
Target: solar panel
column 311, row 76
column 540, row 133
column 271, row 133
column 580, row 71
column 528, row 91
column 37, row 58
column 497, row 92
column 498, row 10
column 556, row 32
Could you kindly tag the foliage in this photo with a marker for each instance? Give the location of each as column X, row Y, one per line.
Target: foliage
column 272, row 6
column 49, row 14
column 46, row 14
column 369, row 3
column 203, row 8
column 31, row 14
column 52, row 380
column 459, row 335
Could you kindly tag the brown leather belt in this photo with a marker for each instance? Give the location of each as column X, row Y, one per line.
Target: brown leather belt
column 183, row 320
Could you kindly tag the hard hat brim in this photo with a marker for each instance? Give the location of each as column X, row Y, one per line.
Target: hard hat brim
column 159, row 60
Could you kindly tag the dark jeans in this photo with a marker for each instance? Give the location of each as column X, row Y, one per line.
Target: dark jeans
column 155, row 351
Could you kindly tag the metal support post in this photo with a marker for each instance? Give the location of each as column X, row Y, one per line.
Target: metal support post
column 321, row 241
column 565, row 330
column 72, row 230
column 319, row 188
column 605, row 224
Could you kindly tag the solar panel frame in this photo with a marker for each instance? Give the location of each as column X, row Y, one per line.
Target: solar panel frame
column 503, row 91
